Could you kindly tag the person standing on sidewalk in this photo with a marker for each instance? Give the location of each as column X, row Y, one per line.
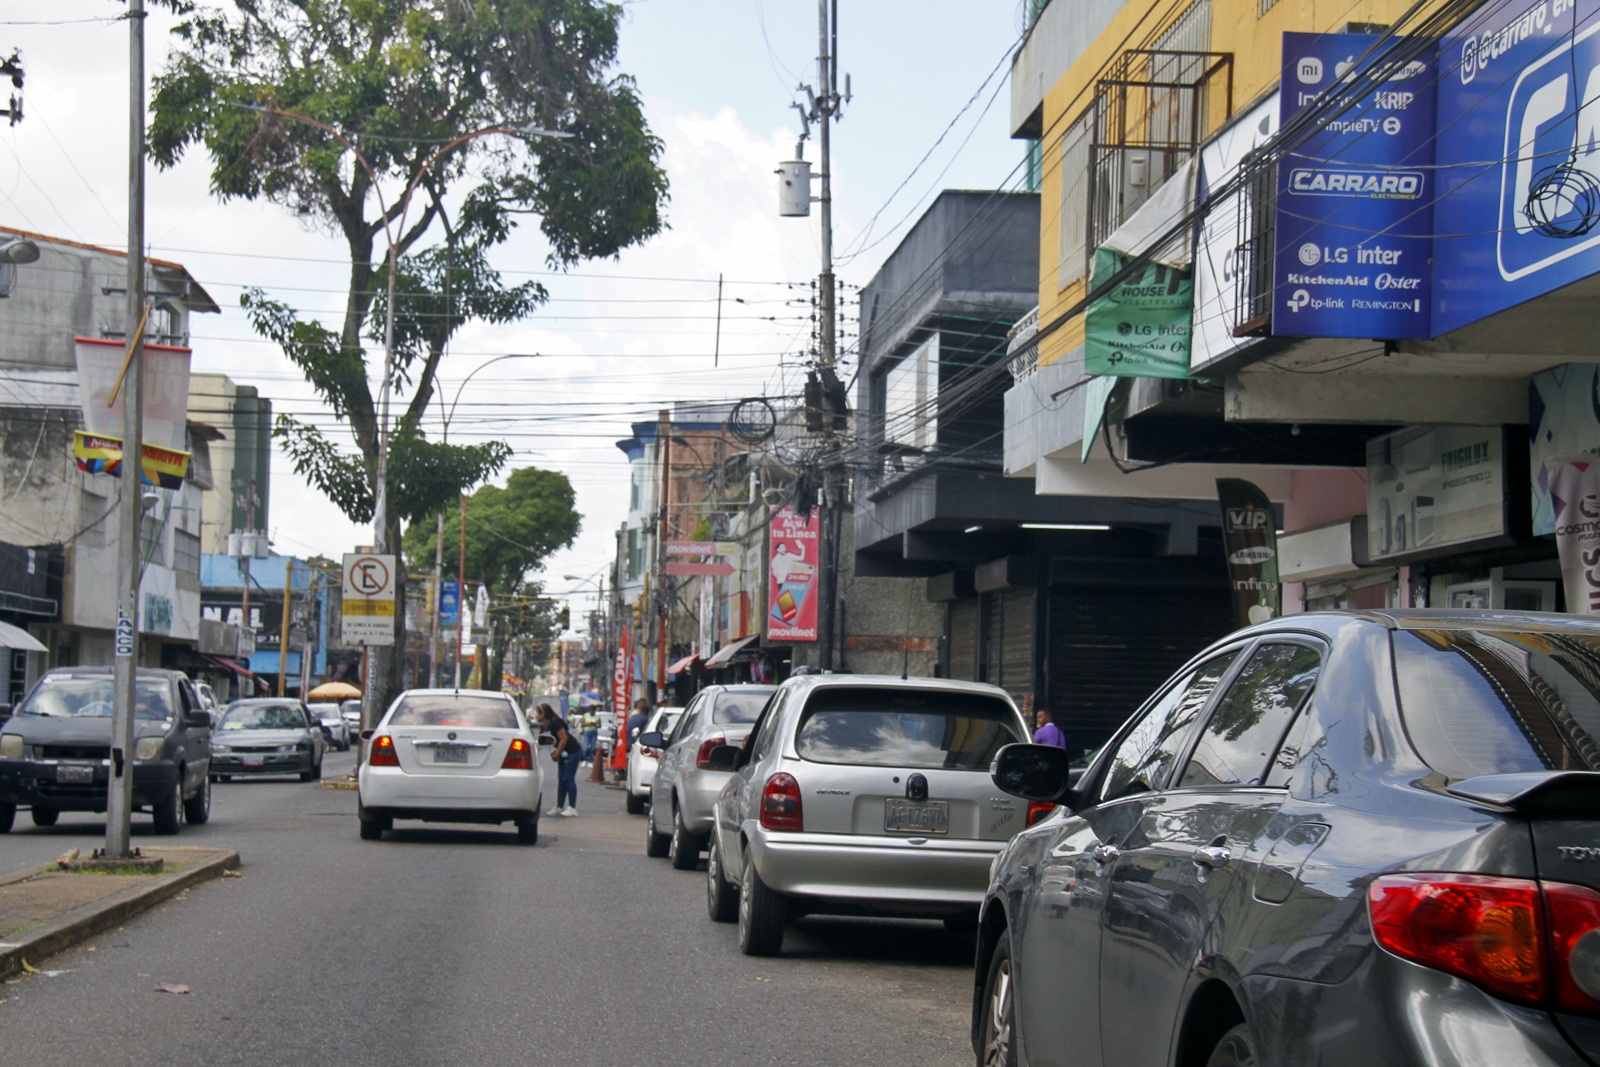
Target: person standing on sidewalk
column 591, row 732
column 567, row 753
column 1048, row 732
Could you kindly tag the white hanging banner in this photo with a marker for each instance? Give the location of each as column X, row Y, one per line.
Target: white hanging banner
column 1575, row 493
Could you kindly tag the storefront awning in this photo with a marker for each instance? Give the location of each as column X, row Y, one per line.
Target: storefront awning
column 727, row 652
column 683, row 663
column 254, row 678
column 18, row 638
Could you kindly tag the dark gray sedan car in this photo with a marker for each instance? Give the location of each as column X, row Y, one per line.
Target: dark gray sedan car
column 1366, row 838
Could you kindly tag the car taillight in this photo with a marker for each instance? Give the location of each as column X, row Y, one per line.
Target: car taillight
column 780, row 804
column 703, row 757
column 519, row 757
column 1038, row 809
column 1527, row 941
column 381, row 753
column 650, row 753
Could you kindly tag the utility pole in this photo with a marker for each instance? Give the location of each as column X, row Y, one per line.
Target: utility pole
column 663, row 602
column 119, row 801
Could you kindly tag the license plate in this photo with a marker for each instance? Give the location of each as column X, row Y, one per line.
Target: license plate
column 255, row 761
column 917, row 816
column 450, row 753
column 75, row 775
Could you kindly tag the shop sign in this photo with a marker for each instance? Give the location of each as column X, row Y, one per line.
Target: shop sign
column 1140, row 329
column 1434, row 487
column 1353, row 222
column 792, row 555
column 1250, row 539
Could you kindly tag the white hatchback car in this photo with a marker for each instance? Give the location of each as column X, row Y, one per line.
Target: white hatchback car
column 642, row 760
column 451, row 755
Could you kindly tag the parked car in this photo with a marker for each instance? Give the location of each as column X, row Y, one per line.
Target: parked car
column 1331, row 838
column 448, row 755
column 642, row 759
column 351, row 712
column 685, row 785
column 55, row 752
column 334, row 727
column 268, row 735
column 862, row 794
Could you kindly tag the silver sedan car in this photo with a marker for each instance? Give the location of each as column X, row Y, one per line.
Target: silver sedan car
column 866, row 795
column 686, row 785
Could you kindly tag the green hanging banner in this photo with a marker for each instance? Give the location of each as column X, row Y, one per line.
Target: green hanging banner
column 1141, row 328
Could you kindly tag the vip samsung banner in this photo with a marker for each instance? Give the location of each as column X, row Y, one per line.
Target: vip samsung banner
column 1250, row 540
column 1354, row 219
column 792, row 555
column 1518, row 193
column 1575, row 492
column 1140, row 329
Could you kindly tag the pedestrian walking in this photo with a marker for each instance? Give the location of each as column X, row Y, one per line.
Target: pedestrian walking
column 1048, row 732
column 567, row 753
column 591, row 732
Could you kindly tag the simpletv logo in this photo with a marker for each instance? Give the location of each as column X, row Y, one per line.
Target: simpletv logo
column 1343, row 181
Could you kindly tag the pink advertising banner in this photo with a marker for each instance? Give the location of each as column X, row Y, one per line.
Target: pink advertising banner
column 792, row 558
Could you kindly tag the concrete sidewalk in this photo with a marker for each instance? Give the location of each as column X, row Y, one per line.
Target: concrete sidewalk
column 45, row 909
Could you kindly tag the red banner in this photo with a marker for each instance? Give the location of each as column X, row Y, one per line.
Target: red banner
column 621, row 698
column 792, row 558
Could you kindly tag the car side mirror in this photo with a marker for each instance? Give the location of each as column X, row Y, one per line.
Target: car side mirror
column 366, row 735
column 725, row 758
column 198, row 718
column 1034, row 772
column 546, row 740
column 652, row 739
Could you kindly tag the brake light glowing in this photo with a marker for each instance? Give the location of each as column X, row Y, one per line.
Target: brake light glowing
column 381, row 752
column 780, row 803
column 1038, row 809
column 702, row 759
column 1532, row 942
column 519, row 757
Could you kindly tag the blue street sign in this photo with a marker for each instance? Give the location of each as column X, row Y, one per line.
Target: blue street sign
column 449, row 603
column 1354, row 199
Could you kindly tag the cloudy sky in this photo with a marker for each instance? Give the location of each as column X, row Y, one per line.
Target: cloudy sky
column 619, row 339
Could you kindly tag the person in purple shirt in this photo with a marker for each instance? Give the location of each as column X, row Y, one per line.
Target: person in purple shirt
column 1048, row 732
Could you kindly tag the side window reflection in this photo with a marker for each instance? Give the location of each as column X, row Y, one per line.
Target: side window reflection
column 1252, row 716
column 1145, row 756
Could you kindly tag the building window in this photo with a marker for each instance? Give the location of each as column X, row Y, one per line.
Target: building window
column 1075, row 248
column 911, row 398
column 185, row 552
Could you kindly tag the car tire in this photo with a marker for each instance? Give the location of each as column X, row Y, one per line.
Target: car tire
column 372, row 826
column 762, row 917
column 528, row 830
column 636, row 804
column 997, row 1028
column 722, row 896
column 655, row 845
column 8, row 815
column 165, row 812
column 197, row 809
column 1235, row 1049
column 683, row 848
column 43, row 816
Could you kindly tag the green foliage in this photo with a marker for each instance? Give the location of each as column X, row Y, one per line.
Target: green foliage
column 510, row 531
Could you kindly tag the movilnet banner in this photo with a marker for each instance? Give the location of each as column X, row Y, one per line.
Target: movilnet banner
column 1354, row 220
column 1250, row 539
column 792, row 555
column 1140, row 329
column 622, row 697
column 1575, row 495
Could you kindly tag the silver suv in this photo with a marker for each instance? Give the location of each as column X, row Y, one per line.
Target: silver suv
column 859, row 794
column 686, row 785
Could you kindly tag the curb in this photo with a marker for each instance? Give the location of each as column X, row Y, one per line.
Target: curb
column 99, row 916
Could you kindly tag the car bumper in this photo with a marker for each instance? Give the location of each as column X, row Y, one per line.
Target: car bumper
column 497, row 797
column 38, row 783
column 888, row 873
column 262, row 763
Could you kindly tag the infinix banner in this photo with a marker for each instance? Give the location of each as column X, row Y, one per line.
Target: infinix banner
column 1250, row 539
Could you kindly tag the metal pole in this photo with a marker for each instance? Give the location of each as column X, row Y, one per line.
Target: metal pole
column 828, row 584
column 461, row 588
column 283, row 629
column 119, row 800
column 664, row 604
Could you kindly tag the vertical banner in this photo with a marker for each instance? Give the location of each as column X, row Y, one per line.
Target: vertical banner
column 1140, row 329
column 1575, row 496
column 449, row 603
column 792, row 555
column 1250, row 541
column 97, row 448
column 621, row 697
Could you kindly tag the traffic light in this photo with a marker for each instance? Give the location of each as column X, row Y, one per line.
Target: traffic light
column 565, row 618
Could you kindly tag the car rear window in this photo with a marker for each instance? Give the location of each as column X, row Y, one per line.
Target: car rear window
column 1491, row 702
column 739, row 707
column 454, row 710
column 904, row 728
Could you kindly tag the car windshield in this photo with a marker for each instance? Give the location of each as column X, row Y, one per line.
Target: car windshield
column 262, row 717
column 905, row 728
column 1492, row 702
column 82, row 697
column 739, row 707
column 455, row 709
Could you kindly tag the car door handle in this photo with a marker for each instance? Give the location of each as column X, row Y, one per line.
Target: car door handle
column 1212, row 857
column 1105, row 853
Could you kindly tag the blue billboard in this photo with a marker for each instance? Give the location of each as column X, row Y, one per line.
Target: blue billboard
column 1354, row 219
column 449, row 603
column 1519, row 197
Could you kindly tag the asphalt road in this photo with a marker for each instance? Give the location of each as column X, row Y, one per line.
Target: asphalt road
column 452, row 946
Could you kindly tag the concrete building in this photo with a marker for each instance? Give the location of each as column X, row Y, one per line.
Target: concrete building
column 241, row 461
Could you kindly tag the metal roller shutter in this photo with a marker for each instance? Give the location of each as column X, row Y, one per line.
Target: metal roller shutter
column 1016, row 642
column 963, row 640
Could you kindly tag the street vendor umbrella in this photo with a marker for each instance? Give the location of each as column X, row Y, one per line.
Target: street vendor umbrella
column 334, row 691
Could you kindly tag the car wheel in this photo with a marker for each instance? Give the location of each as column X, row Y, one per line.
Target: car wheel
column 761, row 917
column 372, row 826
column 999, row 1048
column 655, row 845
column 722, row 896
column 683, row 848
column 528, row 830
column 636, row 805
column 1236, row 1049
column 165, row 812
column 197, row 809
column 8, row 815
column 45, row 816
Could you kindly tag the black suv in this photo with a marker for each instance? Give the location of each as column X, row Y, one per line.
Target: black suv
column 55, row 750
